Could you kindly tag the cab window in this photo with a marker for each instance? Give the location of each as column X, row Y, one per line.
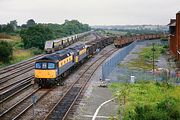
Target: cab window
column 51, row 66
column 38, row 65
column 44, row 65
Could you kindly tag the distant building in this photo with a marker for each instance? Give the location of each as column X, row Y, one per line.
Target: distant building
column 174, row 38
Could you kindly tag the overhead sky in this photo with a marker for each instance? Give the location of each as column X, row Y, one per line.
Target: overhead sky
column 93, row 12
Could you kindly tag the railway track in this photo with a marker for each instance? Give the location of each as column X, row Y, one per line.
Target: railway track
column 14, row 112
column 9, row 91
column 18, row 109
column 62, row 108
column 16, row 74
column 11, row 76
column 18, row 65
column 16, row 70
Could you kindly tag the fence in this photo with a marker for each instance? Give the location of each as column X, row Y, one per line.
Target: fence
column 112, row 63
column 109, row 66
column 123, row 74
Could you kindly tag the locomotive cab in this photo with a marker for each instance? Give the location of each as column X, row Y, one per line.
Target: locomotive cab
column 45, row 72
column 45, row 69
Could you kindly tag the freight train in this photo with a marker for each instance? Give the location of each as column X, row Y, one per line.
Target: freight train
column 58, row 44
column 125, row 40
column 51, row 69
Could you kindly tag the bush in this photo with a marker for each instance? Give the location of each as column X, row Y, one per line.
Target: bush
column 6, row 51
column 37, row 51
column 165, row 46
column 36, row 36
column 164, row 110
column 163, row 51
column 167, row 105
column 18, row 45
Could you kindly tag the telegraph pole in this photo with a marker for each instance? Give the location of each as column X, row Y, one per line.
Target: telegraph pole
column 153, row 50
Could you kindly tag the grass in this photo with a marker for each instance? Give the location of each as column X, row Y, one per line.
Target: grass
column 112, row 32
column 141, row 64
column 144, row 100
column 116, row 32
column 145, row 59
column 146, row 93
column 19, row 53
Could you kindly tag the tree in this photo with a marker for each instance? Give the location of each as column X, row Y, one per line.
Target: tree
column 36, row 36
column 8, row 28
column 31, row 23
column 14, row 24
column 6, row 51
column 74, row 27
column 23, row 26
column 68, row 28
column 0, row 28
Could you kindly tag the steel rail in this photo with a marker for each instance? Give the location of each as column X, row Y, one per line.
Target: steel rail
column 15, row 90
column 18, row 103
column 18, row 65
column 75, row 88
column 28, row 107
column 7, row 78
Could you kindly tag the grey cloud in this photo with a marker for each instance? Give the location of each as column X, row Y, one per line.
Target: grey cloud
column 93, row 12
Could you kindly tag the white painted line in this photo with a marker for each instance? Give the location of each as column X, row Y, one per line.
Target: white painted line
column 90, row 116
column 97, row 110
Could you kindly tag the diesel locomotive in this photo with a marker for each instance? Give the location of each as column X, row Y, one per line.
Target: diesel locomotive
column 50, row 69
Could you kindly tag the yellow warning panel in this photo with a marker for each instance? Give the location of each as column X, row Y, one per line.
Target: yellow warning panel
column 45, row 73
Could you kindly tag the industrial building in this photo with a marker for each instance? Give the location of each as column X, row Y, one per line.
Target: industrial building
column 174, row 38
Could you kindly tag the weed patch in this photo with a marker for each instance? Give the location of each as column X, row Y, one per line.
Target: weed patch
column 149, row 100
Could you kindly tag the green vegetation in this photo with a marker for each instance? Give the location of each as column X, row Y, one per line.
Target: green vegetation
column 115, row 32
column 6, row 51
column 7, row 28
column 21, row 54
column 18, row 53
column 28, row 39
column 144, row 61
column 147, row 100
column 112, row 32
column 139, row 31
column 68, row 28
column 36, row 36
column 147, row 53
column 30, row 23
column 17, row 56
